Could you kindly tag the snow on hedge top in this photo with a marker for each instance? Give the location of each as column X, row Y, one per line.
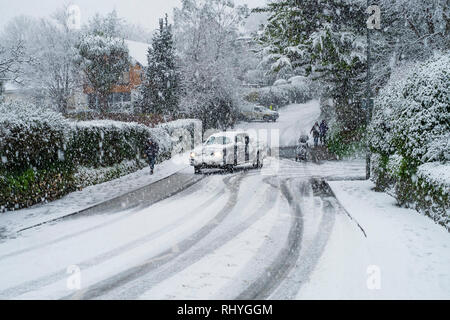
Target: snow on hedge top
column 159, row 134
column 280, row 82
column 107, row 124
column 436, row 173
column 181, row 123
column 27, row 114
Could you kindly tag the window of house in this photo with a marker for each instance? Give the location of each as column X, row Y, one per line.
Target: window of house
column 92, row 101
column 125, row 78
column 126, row 96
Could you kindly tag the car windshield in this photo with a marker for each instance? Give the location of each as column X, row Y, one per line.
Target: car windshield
column 218, row 140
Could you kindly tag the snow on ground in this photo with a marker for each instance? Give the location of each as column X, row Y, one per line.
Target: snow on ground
column 205, row 278
column 295, row 120
column 409, row 252
column 216, row 238
column 102, row 245
column 13, row 221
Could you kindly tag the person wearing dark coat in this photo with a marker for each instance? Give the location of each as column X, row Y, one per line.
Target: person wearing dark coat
column 323, row 132
column 151, row 151
column 316, row 133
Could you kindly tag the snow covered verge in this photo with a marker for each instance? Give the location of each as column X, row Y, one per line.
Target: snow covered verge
column 404, row 255
column 410, row 138
column 45, row 156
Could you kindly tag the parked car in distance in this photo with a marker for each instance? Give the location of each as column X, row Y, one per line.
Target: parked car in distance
column 226, row 150
column 252, row 113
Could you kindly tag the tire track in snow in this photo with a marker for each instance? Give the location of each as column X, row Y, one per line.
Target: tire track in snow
column 309, row 256
column 190, row 258
column 183, row 192
column 121, row 279
column 61, row 274
column 285, row 259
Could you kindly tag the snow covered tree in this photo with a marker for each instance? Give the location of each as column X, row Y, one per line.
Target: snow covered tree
column 159, row 91
column 11, row 59
column 115, row 26
column 14, row 57
column 103, row 60
column 55, row 70
column 206, row 34
column 108, row 25
column 324, row 40
column 48, row 47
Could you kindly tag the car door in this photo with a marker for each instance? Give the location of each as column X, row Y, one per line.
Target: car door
column 240, row 149
column 258, row 113
column 247, row 148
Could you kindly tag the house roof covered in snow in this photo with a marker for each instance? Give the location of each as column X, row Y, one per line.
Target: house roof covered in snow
column 138, row 51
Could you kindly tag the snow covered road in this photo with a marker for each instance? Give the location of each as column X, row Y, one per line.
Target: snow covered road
column 227, row 236
column 275, row 233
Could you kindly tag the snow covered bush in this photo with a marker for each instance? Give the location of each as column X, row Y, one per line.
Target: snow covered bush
column 30, row 137
column 104, row 143
column 44, row 156
column 281, row 94
column 410, row 128
column 85, row 177
column 432, row 192
column 32, row 144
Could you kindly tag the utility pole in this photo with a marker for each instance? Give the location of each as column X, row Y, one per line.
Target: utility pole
column 373, row 22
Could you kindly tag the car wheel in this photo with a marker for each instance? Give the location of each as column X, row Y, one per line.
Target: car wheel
column 197, row 170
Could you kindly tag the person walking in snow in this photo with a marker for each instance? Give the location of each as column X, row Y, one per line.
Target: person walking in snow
column 151, row 151
column 323, row 132
column 316, row 133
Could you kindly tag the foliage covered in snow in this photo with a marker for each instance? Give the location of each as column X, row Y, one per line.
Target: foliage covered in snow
column 411, row 130
column 159, row 92
column 282, row 93
column 206, row 34
column 103, row 59
column 85, row 176
column 44, row 156
column 30, row 136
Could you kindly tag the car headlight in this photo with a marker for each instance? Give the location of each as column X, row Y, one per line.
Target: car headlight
column 218, row 154
column 193, row 154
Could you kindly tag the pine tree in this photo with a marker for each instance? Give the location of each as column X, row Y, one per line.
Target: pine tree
column 160, row 89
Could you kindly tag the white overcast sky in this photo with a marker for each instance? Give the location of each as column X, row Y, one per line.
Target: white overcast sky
column 144, row 12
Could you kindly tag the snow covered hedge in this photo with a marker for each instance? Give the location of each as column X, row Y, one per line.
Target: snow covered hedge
column 410, row 136
column 105, row 143
column 32, row 166
column 296, row 90
column 44, row 156
column 29, row 137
